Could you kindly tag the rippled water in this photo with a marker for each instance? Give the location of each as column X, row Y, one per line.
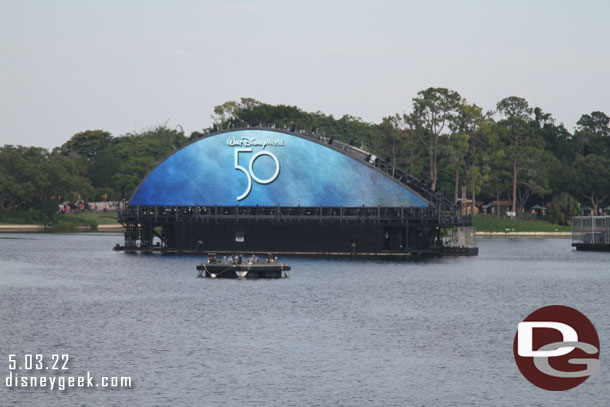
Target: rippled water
column 337, row 333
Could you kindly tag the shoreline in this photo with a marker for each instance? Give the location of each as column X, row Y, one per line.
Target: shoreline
column 563, row 235
column 117, row 227
column 42, row 228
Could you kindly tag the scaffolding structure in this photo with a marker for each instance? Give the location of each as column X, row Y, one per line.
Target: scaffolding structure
column 461, row 237
column 591, row 232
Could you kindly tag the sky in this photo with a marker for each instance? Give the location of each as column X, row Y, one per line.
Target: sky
column 127, row 66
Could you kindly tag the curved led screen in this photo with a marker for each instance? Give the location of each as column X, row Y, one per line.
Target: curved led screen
column 267, row 168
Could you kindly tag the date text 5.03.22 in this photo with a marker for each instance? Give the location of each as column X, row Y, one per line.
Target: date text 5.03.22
column 31, row 361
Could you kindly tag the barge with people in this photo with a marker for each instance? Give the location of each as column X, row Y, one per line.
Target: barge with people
column 236, row 267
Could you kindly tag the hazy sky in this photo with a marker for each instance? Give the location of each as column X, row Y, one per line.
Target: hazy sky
column 124, row 66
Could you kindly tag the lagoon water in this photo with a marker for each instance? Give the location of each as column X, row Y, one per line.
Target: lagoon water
column 336, row 333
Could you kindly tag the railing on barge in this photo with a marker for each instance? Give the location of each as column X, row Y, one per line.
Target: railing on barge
column 591, row 232
column 161, row 214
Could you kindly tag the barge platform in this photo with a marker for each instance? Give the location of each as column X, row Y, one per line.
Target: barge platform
column 235, row 268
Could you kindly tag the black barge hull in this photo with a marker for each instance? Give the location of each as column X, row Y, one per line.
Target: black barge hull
column 254, row 271
column 355, row 232
column 592, row 247
column 380, row 255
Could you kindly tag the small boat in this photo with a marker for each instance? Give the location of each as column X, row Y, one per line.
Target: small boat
column 236, row 267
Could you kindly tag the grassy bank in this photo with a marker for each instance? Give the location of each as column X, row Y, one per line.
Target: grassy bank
column 92, row 220
column 491, row 224
column 101, row 218
column 65, row 223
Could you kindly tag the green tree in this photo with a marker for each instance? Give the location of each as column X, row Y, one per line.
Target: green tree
column 457, row 148
column 563, row 208
column 592, row 135
column 558, row 142
column 535, row 175
column 596, row 123
column 87, row 143
column 466, row 135
column 33, row 180
column 498, row 181
column 414, row 156
column 483, row 146
column 123, row 165
column 391, row 138
column 67, row 178
column 434, row 110
column 523, row 148
column 250, row 112
column 591, row 178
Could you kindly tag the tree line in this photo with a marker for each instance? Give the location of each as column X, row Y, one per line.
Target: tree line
column 516, row 152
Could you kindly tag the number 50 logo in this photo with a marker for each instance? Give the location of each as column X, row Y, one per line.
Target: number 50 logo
column 250, row 171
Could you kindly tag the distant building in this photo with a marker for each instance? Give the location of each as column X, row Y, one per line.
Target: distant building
column 497, row 207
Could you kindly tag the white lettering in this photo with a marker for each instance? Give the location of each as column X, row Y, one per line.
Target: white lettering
column 525, row 338
column 250, row 174
column 253, row 142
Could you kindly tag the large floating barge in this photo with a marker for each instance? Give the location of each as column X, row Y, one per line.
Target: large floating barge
column 333, row 199
column 329, row 232
column 591, row 233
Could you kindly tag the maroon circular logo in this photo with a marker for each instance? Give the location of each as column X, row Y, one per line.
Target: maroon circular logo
column 556, row 348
